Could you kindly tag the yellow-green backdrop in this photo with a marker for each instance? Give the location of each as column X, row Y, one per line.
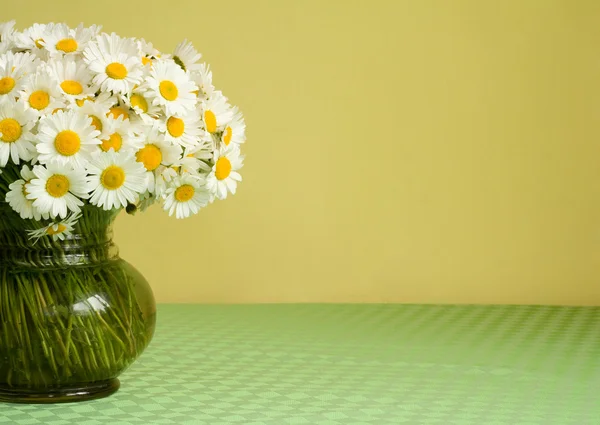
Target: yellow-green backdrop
column 398, row 151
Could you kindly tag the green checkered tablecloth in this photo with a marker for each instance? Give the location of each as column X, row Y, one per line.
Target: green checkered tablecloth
column 351, row 365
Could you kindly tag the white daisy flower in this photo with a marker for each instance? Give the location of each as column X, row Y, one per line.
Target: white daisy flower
column 202, row 154
column 97, row 111
column 116, row 179
column 191, row 164
column 187, row 57
column 41, row 93
column 147, row 51
column 16, row 138
column 13, row 68
column 61, row 40
column 7, row 30
column 235, row 130
column 224, row 176
column 120, row 135
column 115, row 61
column 156, row 151
column 183, row 166
column 58, row 229
column 143, row 107
column 67, row 138
column 57, row 189
column 203, row 79
column 215, row 112
column 183, row 130
column 10, row 83
column 74, row 80
column 33, row 38
column 185, row 196
column 17, row 196
column 170, row 86
column 20, row 63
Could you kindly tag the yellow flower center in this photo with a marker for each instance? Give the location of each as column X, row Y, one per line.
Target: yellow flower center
column 150, row 155
column 67, row 143
column 146, row 60
column 227, row 135
column 24, row 189
column 184, row 192
column 175, row 126
column 223, row 168
column 38, row 43
column 67, row 45
column 117, row 111
column 71, row 87
column 57, row 185
column 80, row 102
column 6, row 85
column 139, row 101
column 10, row 129
column 59, row 229
column 96, row 122
column 116, row 71
column 168, row 90
column 114, row 141
column 210, row 121
column 113, row 177
column 39, row 100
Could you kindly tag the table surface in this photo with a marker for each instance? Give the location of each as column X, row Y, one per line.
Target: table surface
column 351, row 365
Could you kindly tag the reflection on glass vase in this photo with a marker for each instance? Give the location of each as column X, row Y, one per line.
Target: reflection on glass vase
column 73, row 315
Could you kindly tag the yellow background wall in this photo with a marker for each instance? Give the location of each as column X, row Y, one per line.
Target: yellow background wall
column 399, row 151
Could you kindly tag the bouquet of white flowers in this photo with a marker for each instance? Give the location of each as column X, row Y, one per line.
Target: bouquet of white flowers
column 88, row 117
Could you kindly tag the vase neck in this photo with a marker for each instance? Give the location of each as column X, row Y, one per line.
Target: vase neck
column 89, row 243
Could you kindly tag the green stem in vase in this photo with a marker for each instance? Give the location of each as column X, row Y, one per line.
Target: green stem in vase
column 71, row 312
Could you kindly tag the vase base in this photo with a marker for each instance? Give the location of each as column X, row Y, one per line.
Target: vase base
column 82, row 392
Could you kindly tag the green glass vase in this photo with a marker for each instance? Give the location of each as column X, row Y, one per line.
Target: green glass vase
column 73, row 315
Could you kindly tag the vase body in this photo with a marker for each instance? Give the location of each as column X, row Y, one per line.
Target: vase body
column 73, row 314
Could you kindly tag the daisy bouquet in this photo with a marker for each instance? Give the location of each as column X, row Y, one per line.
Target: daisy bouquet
column 88, row 117
column 92, row 123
